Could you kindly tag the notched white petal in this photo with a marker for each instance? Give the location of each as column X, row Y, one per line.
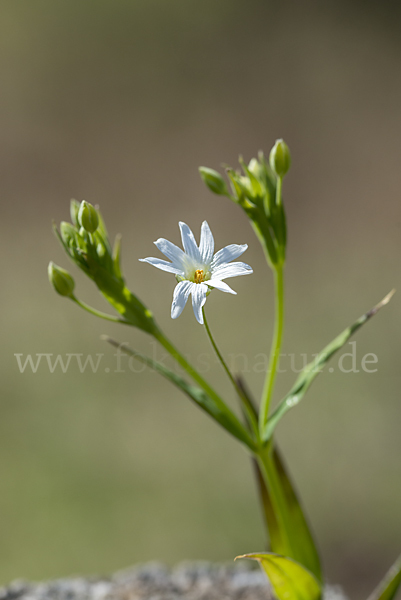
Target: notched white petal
column 180, row 297
column 188, row 242
column 206, row 246
column 198, row 300
column 173, row 252
column 163, row 265
column 220, row 285
column 228, row 253
column 231, row 270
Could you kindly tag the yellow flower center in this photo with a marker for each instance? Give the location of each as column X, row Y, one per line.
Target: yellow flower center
column 199, row 276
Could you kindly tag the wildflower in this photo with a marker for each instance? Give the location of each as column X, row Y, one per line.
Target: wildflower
column 198, row 269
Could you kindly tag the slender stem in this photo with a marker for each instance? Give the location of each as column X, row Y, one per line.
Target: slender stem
column 249, row 412
column 98, row 313
column 275, row 348
column 279, row 185
column 219, row 355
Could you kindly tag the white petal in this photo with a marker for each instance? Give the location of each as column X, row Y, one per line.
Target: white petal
column 206, row 246
column 231, row 270
column 189, row 243
column 180, row 297
column 173, row 252
column 163, row 265
column 198, row 300
column 220, row 285
column 228, row 253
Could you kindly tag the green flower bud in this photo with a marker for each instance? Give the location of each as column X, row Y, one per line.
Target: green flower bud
column 88, row 217
column 214, row 181
column 61, row 280
column 280, row 158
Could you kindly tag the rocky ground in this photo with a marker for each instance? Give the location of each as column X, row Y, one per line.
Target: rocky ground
column 188, row 581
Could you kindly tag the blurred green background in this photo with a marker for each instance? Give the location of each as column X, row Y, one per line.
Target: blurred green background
column 118, row 103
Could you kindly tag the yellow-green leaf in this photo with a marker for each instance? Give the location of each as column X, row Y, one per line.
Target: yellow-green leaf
column 302, row 542
column 289, row 579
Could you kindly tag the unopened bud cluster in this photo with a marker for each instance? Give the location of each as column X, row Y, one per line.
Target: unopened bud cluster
column 257, row 189
column 86, row 240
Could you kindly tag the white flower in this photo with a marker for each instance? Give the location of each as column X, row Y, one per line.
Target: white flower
column 197, row 269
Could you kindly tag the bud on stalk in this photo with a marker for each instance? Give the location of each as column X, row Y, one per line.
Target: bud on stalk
column 214, row 181
column 61, row 280
column 280, row 158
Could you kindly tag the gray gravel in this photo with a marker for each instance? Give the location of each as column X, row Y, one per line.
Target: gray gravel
column 153, row 581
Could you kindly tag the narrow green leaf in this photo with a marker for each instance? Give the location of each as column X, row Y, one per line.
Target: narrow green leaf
column 388, row 587
column 298, row 541
column 311, row 371
column 223, row 417
column 289, row 579
column 302, row 542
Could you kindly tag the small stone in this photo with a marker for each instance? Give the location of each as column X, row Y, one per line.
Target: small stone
column 154, row 581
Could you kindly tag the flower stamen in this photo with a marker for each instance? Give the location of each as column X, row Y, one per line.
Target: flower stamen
column 199, row 277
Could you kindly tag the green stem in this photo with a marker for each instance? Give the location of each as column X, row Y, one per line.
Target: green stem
column 248, row 410
column 279, row 185
column 275, row 348
column 98, row 313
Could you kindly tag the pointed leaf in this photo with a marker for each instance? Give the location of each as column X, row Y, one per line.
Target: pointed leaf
column 300, row 545
column 302, row 542
column 388, row 587
column 311, row 371
column 224, row 417
column 289, row 579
